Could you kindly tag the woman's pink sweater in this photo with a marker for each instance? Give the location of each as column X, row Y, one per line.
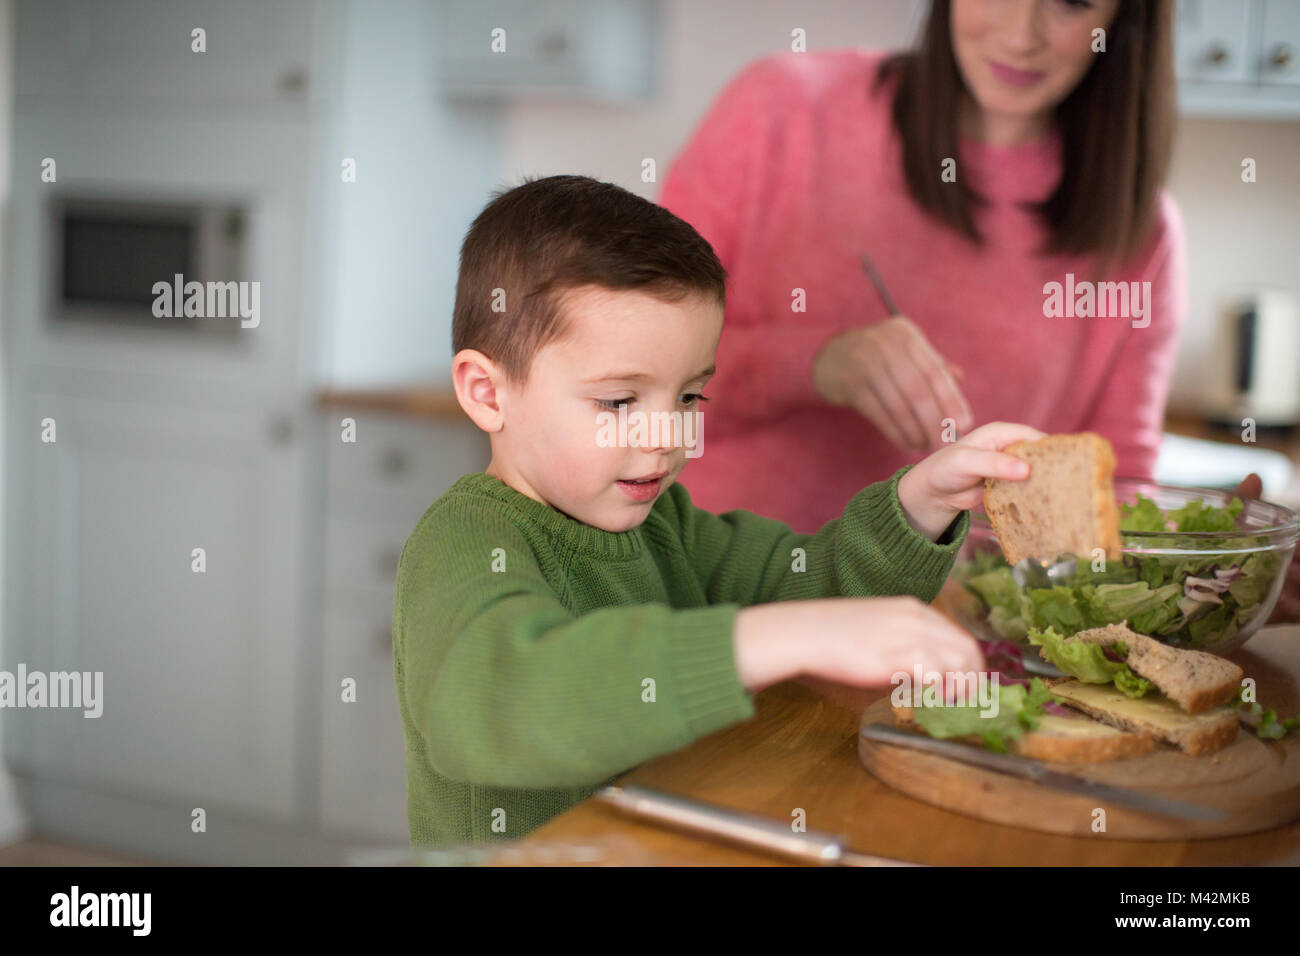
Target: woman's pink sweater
column 792, row 175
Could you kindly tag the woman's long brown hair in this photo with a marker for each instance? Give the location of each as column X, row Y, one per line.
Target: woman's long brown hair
column 1116, row 133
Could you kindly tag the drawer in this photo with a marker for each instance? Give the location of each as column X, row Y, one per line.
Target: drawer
column 412, row 460
column 363, row 552
column 372, row 608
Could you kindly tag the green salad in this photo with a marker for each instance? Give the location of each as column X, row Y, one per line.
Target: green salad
column 1185, row 601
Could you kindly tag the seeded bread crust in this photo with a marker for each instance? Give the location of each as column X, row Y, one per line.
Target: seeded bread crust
column 1052, row 748
column 1195, row 680
column 1065, row 506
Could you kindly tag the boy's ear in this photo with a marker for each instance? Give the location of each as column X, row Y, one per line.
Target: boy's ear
column 477, row 379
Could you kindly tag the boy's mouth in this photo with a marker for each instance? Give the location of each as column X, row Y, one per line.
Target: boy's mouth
column 642, row 489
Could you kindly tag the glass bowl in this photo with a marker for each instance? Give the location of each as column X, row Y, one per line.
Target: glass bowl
column 1235, row 578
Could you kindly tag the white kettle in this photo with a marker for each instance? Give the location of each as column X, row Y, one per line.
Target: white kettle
column 1256, row 368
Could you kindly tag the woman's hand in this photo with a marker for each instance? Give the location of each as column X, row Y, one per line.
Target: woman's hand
column 1287, row 610
column 951, row 480
column 892, row 375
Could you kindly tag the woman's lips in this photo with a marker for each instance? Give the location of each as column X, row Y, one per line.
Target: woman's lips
column 642, row 490
column 1014, row 77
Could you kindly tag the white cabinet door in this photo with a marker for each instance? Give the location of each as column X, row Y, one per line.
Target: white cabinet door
column 1213, row 41
column 200, row 677
column 567, row 48
column 378, row 486
column 130, row 55
column 397, row 467
column 1280, row 38
column 363, row 757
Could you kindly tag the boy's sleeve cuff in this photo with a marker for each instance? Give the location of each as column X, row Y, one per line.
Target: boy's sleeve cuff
column 702, row 662
column 904, row 547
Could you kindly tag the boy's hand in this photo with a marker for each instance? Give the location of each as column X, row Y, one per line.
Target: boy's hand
column 861, row 642
column 951, row 480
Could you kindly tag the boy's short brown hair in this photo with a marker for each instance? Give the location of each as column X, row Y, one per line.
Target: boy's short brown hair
column 548, row 236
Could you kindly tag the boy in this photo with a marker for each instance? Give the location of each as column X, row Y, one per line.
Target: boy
column 568, row 614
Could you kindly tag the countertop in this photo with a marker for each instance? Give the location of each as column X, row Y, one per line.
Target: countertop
column 412, row 401
column 800, row 751
column 440, row 403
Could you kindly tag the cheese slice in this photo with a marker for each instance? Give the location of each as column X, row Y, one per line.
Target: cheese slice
column 1059, row 726
column 1153, row 714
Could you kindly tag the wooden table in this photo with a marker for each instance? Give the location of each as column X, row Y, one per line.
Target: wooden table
column 800, row 751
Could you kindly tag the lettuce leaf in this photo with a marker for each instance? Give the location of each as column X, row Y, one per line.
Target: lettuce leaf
column 1257, row 573
column 1112, row 603
column 1087, row 662
column 981, row 563
column 1019, row 709
column 1142, row 515
column 1130, row 683
column 1198, row 516
column 1268, row 726
column 1145, row 515
column 1010, row 611
column 1056, row 608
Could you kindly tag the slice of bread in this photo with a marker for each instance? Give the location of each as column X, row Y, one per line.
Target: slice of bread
column 1195, row 680
column 1194, row 734
column 1065, row 506
column 1060, row 739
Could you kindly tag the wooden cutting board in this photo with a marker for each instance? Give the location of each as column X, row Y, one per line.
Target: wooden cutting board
column 1255, row 782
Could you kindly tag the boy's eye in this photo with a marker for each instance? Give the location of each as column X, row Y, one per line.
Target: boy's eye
column 689, row 398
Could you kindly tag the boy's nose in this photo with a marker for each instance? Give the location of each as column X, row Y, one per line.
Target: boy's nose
column 664, row 434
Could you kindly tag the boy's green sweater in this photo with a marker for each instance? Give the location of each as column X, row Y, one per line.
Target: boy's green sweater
column 536, row 658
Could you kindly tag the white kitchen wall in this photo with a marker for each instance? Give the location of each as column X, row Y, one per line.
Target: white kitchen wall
column 704, row 45
column 1237, row 234
column 13, row 821
column 424, row 169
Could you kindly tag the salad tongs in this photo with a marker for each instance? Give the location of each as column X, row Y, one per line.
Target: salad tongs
column 1037, row 573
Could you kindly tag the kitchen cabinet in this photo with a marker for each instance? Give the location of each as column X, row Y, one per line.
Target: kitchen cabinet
column 1239, row 59
column 222, row 689
column 376, row 490
column 584, row 49
column 130, row 56
column 201, row 669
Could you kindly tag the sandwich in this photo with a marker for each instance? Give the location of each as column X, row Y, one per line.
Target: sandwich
column 1124, row 694
column 1044, row 734
column 1127, row 680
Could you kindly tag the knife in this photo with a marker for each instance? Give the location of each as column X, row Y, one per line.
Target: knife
column 810, row 846
column 1015, row 766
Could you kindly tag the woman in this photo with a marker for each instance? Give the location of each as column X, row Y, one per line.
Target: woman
column 1020, row 150
column 1023, row 144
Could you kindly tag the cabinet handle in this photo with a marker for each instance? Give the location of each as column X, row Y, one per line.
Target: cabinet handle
column 280, row 430
column 553, row 44
column 394, row 463
column 389, row 560
column 1283, row 57
column 1216, row 54
column 293, row 81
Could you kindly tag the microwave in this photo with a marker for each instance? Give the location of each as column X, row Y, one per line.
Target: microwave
column 111, row 257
